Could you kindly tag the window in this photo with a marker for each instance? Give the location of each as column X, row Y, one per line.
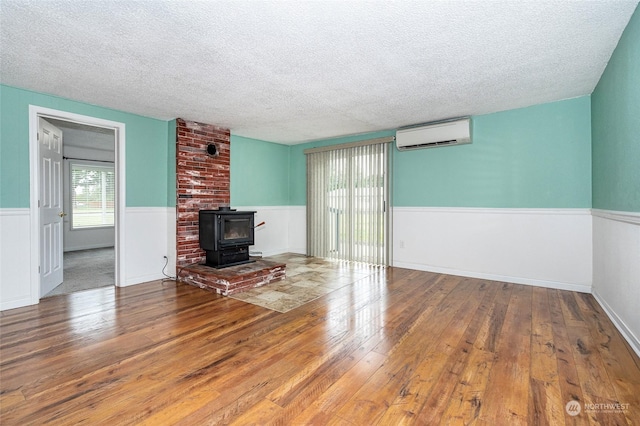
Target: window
column 92, row 195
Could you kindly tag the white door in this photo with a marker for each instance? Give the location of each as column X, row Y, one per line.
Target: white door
column 50, row 206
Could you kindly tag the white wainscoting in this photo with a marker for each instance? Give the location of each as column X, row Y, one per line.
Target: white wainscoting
column 298, row 229
column 15, row 258
column 280, row 230
column 149, row 232
column 150, row 235
column 542, row 247
column 170, row 270
column 616, row 270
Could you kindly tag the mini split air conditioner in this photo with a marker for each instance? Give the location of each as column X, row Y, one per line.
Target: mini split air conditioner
column 431, row 135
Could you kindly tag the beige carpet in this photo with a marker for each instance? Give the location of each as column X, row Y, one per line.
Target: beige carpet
column 86, row 269
column 308, row 278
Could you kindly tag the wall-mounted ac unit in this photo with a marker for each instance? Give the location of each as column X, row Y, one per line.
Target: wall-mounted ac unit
column 431, row 135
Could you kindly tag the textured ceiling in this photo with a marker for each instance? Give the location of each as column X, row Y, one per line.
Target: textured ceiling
column 293, row 71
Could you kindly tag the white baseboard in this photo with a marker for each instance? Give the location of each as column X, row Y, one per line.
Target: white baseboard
column 139, row 279
column 15, row 303
column 626, row 332
column 584, row 288
column 298, row 250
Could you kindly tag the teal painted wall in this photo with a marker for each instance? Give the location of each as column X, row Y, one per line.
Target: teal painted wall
column 298, row 162
column 147, row 161
column 259, row 173
column 615, row 104
column 535, row 157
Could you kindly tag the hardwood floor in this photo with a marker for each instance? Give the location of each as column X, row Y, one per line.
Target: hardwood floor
column 399, row 347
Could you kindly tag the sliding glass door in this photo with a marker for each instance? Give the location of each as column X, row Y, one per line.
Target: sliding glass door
column 347, row 196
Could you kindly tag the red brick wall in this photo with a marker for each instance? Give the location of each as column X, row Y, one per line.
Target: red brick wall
column 202, row 183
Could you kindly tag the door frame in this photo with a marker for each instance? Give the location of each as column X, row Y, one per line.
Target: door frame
column 34, row 188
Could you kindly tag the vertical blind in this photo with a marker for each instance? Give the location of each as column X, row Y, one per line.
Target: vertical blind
column 347, row 212
column 92, row 196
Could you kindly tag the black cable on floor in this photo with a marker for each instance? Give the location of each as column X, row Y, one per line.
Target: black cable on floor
column 169, row 277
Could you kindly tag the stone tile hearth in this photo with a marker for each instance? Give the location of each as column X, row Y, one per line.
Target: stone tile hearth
column 265, row 284
column 308, row 278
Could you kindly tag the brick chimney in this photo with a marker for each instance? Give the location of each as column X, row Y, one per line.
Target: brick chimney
column 202, row 182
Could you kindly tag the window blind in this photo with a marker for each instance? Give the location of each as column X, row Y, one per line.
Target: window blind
column 92, row 196
column 347, row 193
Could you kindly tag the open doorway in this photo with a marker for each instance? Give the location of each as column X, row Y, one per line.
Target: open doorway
column 90, row 213
column 88, row 194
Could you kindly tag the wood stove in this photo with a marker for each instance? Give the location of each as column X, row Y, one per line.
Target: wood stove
column 225, row 236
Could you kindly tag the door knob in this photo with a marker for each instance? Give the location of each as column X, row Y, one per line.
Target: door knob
column 62, row 214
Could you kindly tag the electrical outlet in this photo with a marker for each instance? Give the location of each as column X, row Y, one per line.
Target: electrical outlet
column 401, row 243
